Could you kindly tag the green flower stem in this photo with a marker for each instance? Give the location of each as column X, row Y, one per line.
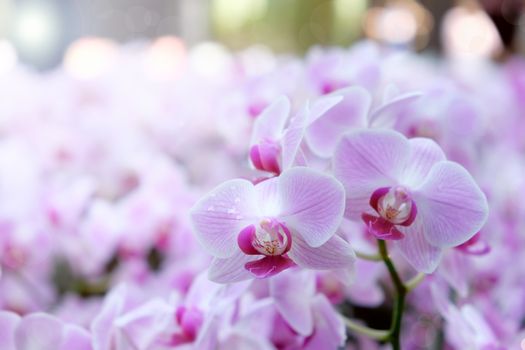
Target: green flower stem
column 369, row 332
column 412, row 283
column 401, row 291
column 369, row 257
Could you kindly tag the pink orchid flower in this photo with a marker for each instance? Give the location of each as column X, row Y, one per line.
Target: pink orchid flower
column 261, row 230
column 406, row 190
column 355, row 110
column 276, row 137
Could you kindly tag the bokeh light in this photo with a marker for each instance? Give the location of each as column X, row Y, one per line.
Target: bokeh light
column 468, row 33
column 8, row 57
column 165, row 58
column 36, row 29
column 89, row 58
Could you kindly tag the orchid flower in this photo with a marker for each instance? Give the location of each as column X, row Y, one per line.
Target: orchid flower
column 355, row 110
column 261, row 230
column 406, row 190
column 274, row 144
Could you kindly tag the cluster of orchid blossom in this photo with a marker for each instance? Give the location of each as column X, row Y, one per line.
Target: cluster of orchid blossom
column 254, row 201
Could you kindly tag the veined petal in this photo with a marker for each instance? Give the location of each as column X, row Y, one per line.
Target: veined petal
column 330, row 332
column 231, row 269
column 334, row 254
column 219, row 217
column 268, row 199
column 324, row 133
column 270, row 123
column 312, row 204
column 366, row 160
column 424, row 154
column 292, row 292
column 451, row 205
column 423, row 256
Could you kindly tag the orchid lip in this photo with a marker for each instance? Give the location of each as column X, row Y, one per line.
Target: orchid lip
column 269, row 238
column 395, row 205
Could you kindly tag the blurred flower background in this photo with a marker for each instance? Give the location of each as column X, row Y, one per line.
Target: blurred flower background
column 119, row 117
column 40, row 32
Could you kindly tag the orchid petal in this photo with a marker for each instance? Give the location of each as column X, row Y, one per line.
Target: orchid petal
column 318, row 107
column 220, row 216
column 292, row 292
column 75, row 337
column 334, row 254
column 423, row 256
column 324, row 133
column 270, row 123
column 424, row 153
column 330, row 331
column 38, row 331
column 366, row 160
column 8, row 324
column 381, row 228
column 451, row 205
column 381, row 113
column 312, row 204
column 268, row 266
column 292, row 138
column 231, row 269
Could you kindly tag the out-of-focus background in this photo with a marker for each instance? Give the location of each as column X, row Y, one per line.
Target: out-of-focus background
column 39, row 32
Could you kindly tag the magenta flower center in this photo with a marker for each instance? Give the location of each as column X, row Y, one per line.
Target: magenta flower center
column 395, row 206
column 269, row 237
column 265, row 156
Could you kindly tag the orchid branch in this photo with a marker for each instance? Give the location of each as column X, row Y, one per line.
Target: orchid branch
column 369, row 332
column 412, row 283
column 401, row 291
column 367, row 256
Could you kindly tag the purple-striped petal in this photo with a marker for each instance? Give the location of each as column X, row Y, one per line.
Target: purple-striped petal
column 330, row 332
column 231, row 269
column 312, row 204
column 292, row 292
column 366, row 160
column 451, row 206
column 334, row 254
column 220, row 216
column 424, row 154
column 423, row 256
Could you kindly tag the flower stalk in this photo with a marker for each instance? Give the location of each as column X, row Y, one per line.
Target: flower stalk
column 401, row 290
